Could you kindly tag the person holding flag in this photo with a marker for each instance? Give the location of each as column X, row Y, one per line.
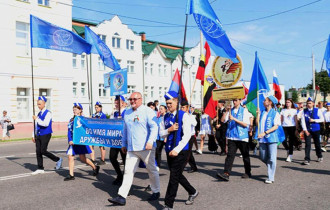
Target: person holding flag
column 42, row 136
column 238, row 119
column 310, row 122
column 98, row 114
column 177, row 150
column 269, row 122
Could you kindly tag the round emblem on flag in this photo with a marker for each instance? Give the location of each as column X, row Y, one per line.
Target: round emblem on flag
column 213, row 29
column 104, row 50
column 225, row 72
column 118, row 81
column 62, row 38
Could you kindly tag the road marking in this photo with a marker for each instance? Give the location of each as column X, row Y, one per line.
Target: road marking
column 16, row 176
column 7, row 156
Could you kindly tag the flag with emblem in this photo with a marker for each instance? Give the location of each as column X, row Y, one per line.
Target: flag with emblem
column 209, row 104
column 203, row 63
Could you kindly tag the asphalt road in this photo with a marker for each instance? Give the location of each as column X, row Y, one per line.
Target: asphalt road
column 295, row 187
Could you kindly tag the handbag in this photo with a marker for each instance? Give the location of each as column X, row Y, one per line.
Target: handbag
column 10, row 127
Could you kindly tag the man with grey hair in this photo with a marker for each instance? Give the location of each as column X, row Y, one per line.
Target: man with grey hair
column 139, row 138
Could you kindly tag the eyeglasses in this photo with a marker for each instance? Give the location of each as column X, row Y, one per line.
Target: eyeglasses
column 133, row 99
column 168, row 103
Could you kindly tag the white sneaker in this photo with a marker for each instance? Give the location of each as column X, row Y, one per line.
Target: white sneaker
column 267, row 181
column 324, row 149
column 38, row 171
column 199, row 152
column 59, row 164
column 289, row 158
column 240, row 156
column 320, row 160
column 157, row 168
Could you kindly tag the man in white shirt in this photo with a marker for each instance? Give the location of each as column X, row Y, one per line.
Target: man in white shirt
column 310, row 122
column 177, row 128
column 238, row 119
column 5, row 120
column 42, row 135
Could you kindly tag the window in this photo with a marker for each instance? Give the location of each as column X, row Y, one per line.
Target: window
column 103, row 38
column 83, row 89
column 192, row 60
column 160, row 72
column 165, row 71
column 151, row 69
column 74, row 89
column 193, row 75
column 303, row 94
column 46, row 93
column 22, row 38
column 74, row 60
column 146, row 68
column 146, row 91
column 131, row 88
column 311, row 93
column 100, row 64
column 165, row 90
column 152, row 92
column 160, row 92
column 23, row 104
column 102, row 91
column 115, row 42
column 194, row 95
column 44, row 2
column 83, row 61
column 129, row 44
column 130, row 66
column 119, row 61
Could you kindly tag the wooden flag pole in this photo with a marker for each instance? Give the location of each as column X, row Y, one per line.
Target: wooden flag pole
column 88, row 89
column 192, row 91
column 32, row 79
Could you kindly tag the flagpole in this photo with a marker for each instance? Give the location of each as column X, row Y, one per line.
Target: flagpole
column 32, row 78
column 201, row 52
column 192, row 91
column 259, row 112
column 89, row 96
column 180, row 83
column 91, row 78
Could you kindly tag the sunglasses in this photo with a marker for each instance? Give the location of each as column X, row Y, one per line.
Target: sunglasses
column 133, row 99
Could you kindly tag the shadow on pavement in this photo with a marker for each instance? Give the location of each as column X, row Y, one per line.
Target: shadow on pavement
column 309, row 170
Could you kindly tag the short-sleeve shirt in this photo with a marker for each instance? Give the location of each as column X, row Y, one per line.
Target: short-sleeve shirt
column 288, row 117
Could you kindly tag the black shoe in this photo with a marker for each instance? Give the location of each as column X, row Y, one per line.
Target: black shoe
column 154, row 196
column 148, row 188
column 192, row 170
column 224, row 176
column 96, row 171
column 101, row 162
column 222, row 153
column 118, row 200
column 246, row 176
column 118, row 181
column 191, row 198
column 69, row 178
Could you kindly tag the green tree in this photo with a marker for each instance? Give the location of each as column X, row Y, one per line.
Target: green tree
column 295, row 96
column 323, row 81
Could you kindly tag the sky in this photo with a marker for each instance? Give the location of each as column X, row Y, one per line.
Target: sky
column 284, row 42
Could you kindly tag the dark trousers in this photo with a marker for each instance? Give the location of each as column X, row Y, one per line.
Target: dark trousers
column 308, row 141
column 176, row 166
column 291, row 133
column 159, row 148
column 191, row 159
column 41, row 149
column 232, row 149
column 113, row 156
column 220, row 135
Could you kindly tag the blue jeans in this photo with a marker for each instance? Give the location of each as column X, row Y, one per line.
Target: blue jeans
column 268, row 155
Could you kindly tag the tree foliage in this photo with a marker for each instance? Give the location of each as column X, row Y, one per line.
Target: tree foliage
column 323, row 81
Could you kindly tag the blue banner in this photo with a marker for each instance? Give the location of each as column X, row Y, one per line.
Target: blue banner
column 327, row 57
column 208, row 22
column 98, row 132
column 48, row 36
column 99, row 47
column 118, row 82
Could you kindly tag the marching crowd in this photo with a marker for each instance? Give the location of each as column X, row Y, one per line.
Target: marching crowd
column 149, row 129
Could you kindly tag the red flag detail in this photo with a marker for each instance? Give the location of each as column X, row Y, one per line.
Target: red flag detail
column 203, row 63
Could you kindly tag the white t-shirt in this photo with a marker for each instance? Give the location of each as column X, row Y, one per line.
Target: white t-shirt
column 277, row 121
column 288, row 117
column 327, row 116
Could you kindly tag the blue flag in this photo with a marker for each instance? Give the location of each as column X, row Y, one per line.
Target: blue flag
column 327, row 57
column 48, row 36
column 118, row 82
column 208, row 22
column 99, row 47
column 259, row 84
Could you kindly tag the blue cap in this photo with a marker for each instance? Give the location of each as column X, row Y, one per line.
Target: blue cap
column 42, row 98
column 79, row 105
column 273, row 99
column 328, row 104
column 295, row 105
column 171, row 94
column 121, row 98
column 98, row 103
column 309, row 99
